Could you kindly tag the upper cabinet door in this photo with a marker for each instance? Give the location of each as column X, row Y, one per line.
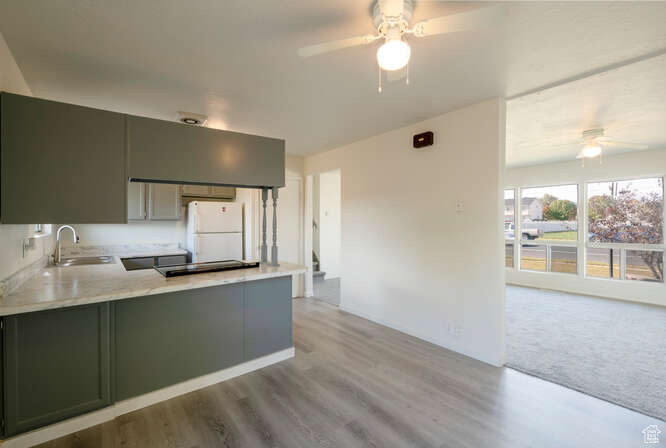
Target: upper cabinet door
column 61, row 163
column 136, row 201
column 196, row 190
column 164, row 202
column 163, row 150
column 224, row 192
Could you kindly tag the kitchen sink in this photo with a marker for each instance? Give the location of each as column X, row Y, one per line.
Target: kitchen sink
column 81, row 261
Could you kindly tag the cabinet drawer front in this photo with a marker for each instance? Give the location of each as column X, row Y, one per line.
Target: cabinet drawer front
column 63, row 369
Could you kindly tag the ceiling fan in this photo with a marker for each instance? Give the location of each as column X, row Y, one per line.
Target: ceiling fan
column 392, row 20
column 593, row 141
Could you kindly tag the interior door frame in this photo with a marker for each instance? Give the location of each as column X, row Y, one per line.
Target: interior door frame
column 307, row 237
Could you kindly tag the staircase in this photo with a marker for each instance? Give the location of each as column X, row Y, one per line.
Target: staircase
column 316, row 273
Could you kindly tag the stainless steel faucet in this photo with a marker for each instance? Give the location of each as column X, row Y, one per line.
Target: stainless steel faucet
column 56, row 254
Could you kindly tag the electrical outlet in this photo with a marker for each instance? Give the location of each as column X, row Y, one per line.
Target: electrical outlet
column 454, row 329
column 459, row 207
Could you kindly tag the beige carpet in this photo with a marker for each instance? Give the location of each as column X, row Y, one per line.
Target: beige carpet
column 609, row 349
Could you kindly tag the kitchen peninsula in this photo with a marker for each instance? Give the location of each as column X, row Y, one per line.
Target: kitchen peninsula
column 81, row 338
column 86, row 340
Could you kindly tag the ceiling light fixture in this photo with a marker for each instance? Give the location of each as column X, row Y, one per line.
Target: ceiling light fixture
column 393, row 55
column 392, row 21
column 591, row 150
column 191, row 118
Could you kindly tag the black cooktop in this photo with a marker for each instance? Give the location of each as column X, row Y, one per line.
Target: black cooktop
column 210, row 266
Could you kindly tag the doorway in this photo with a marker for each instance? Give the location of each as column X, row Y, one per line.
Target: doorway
column 327, row 236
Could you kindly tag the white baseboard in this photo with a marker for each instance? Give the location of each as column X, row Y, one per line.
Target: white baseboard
column 84, row 421
column 419, row 335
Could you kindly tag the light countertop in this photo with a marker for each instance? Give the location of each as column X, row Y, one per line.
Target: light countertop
column 57, row 287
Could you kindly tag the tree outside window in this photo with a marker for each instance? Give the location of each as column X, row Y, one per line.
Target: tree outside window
column 629, row 212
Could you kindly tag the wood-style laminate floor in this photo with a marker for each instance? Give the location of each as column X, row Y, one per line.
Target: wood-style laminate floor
column 354, row 383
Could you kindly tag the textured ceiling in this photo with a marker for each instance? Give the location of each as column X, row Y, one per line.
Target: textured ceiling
column 236, row 61
column 629, row 103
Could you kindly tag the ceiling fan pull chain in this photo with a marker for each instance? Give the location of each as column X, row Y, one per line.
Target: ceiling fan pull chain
column 379, row 72
column 407, row 77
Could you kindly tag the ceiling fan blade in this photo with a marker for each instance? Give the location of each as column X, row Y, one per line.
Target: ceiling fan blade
column 391, row 8
column 314, row 50
column 623, row 145
column 478, row 18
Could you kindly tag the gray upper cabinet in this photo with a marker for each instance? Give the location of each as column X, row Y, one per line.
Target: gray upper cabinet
column 223, row 192
column 163, row 202
column 155, row 202
column 136, row 201
column 61, row 163
column 165, row 151
column 196, row 190
column 212, row 192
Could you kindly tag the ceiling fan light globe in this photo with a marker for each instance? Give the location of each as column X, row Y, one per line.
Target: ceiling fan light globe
column 591, row 151
column 393, row 55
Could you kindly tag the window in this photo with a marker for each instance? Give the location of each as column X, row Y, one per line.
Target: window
column 508, row 255
column 509, row 226
column 550, row 213
column 603, row 263
column 629, row 212
column 564, row 259
column 533, row 257
column 646, row 265
column 625, row 223
column 549, row 229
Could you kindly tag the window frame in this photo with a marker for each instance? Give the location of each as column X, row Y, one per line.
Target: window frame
column 622, row 247
column 582, row 242
column 546, row 242
column 514, row 241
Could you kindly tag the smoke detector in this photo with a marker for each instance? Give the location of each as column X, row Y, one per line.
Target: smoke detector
column 192, row 118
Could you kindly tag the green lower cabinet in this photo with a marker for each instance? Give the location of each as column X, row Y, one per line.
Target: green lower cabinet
column 56, row 365
column 167, row 338
column 267, row 316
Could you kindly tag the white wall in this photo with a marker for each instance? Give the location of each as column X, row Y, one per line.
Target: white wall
column 629, row 165
column 149, row 232
column 315, row 214
column 330, row 221
column 409, row 259
column 11, row 236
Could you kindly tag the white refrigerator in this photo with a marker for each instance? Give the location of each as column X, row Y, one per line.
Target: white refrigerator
column 215, row 231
